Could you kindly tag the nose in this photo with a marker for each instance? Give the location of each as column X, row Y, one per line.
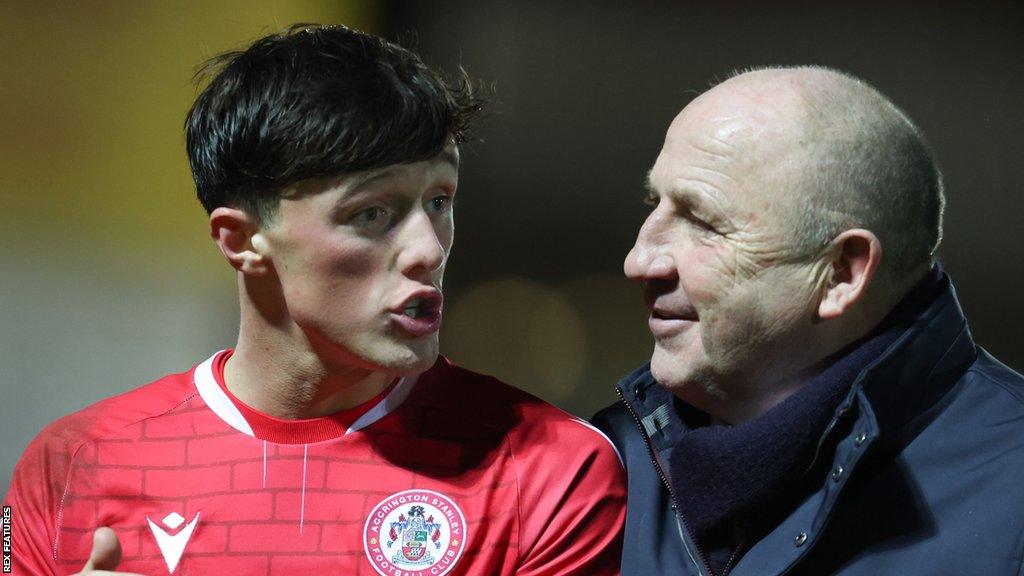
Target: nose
column 649, row 258
column 423, row 249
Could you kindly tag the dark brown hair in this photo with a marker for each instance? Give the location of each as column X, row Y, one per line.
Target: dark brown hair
column 315, row 101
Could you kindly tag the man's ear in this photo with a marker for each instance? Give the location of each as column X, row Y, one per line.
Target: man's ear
column 855, row 257
column 238, row 237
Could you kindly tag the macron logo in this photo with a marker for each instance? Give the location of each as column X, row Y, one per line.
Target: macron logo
column 172, row 546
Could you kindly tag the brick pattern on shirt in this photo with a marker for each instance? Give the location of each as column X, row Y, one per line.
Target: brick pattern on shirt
column 262, row 508
column 246, row 526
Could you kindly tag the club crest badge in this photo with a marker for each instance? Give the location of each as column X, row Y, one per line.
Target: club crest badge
column 413, row 533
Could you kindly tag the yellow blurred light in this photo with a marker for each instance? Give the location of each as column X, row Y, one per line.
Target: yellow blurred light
column 94, row 97
column 522, row 332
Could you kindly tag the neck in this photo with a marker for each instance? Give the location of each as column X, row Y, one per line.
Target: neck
column 736, row 404
column 276, row 369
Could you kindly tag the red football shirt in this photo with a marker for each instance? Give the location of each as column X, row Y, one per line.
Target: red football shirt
column 450, row 472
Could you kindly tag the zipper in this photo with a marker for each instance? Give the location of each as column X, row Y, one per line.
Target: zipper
column 735, row 555
column 700, row 562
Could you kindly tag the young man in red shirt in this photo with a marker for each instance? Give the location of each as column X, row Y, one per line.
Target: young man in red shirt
column 332, row 439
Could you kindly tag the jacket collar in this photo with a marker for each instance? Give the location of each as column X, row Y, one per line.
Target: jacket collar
column 900, row 389
column 653, row 406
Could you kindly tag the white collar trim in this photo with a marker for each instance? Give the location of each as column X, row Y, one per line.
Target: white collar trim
column 216, row 399
column 226, row 410
column 389, row 404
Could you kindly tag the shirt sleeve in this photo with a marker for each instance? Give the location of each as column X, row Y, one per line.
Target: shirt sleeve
column 32, row 503
column 572, row 504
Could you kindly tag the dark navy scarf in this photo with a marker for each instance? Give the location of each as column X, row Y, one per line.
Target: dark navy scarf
column 735, row 483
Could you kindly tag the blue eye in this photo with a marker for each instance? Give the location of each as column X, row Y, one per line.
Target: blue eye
column 369, row 216
column 439, row 203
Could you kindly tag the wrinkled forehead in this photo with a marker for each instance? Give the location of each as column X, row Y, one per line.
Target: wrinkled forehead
column 754, row 126
column 735, row 148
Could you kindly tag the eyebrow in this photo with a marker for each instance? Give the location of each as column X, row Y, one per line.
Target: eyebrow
column 449, row 155
column 374, row 176
column 692, row 200
column 648, row 187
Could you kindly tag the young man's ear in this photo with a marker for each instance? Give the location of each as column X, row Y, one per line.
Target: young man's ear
column 855, row 257
column 238, row 237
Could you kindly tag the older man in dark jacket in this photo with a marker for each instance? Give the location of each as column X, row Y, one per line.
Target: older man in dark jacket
column 815, row 403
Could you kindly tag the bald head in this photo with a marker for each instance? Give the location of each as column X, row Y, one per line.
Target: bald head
column 792, row 209
column 842, row 156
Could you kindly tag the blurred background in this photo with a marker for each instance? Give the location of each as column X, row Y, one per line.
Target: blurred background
column 108, row 279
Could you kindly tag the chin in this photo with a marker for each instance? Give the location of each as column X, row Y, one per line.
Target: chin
column 397, row 357
column 418, row 366
column 665, row 368
column 409, row 358
column 674, row 370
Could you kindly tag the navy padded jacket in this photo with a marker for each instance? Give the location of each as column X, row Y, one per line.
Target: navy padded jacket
column 927, row 470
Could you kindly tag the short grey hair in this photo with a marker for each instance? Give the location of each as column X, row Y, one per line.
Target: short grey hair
column 866, row 166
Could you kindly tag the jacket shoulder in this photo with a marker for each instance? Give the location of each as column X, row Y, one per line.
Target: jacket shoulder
column 988, row 368
column 615, row 422
column 618, row 423
column 622, row 430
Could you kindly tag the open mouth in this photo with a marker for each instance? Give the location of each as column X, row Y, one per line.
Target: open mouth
column 421, row 308
column 664, row 315
column 420, row 314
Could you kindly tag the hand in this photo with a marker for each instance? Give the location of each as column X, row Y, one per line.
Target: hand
column 105, row 555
